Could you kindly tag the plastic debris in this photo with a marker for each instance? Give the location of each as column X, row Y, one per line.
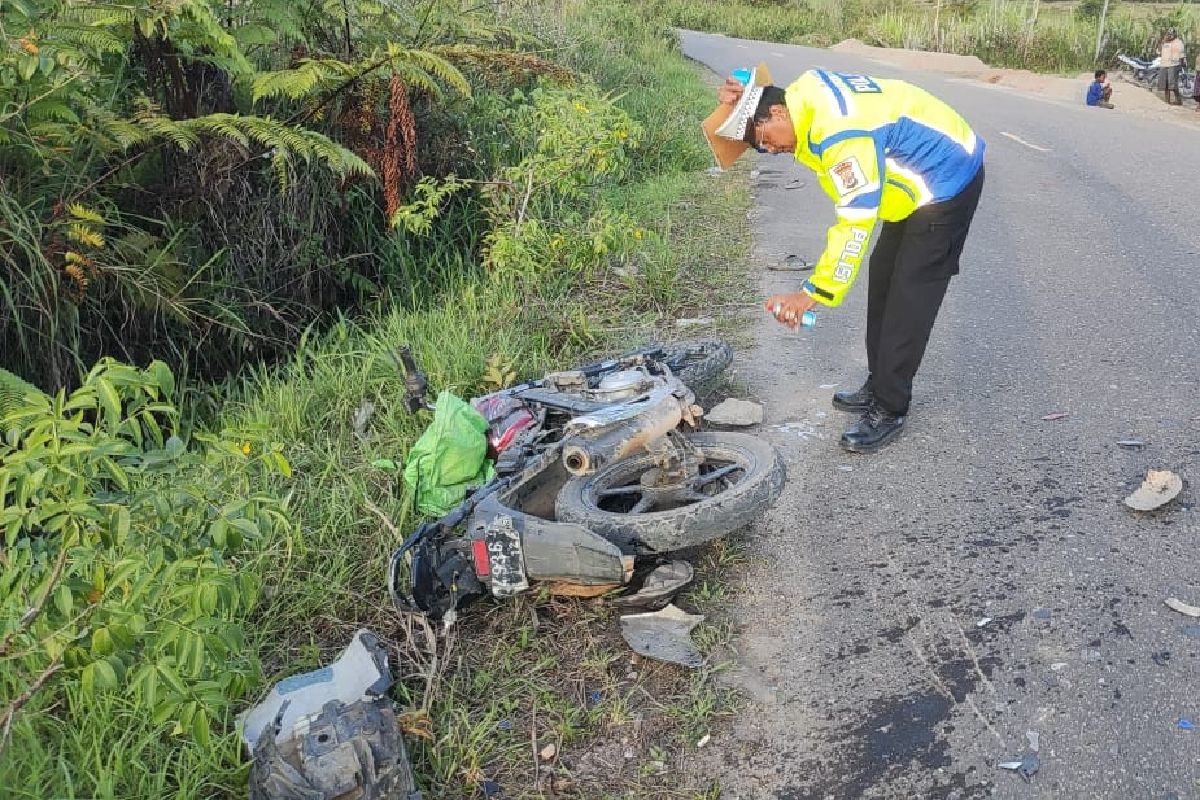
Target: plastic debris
column 981, row 623
column 1132, row 444
column 663, row 635
column 505, row 725
column 659, row 587
column 594, row 697
column 735, row 412
column 1057, row 415
column 1183, row 608
column 1029, row 763
column 1043, row 613
column 791, row 263
column 326, row 733
column 360, row 671
column 1187, row 725
column 490, row 789
column 1161, row 658
column 361, row 419
column 1058, row 665
column 1034, row 740
column 548, row 752
column 705, row 739
column 693, row 322
column 1160, row 486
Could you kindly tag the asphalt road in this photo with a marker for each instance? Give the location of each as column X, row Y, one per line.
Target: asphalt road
column 861, row 641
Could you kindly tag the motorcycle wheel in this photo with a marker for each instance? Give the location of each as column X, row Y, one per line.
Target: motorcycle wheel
column 740, row 477
column 697, row 363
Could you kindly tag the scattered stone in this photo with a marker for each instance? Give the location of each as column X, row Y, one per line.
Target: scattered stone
column 735, row 412
column 1160, row 486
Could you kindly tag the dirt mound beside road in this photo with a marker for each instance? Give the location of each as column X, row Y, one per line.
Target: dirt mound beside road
column 1127, row 97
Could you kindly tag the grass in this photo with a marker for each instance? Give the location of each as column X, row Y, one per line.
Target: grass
column 481, row 701
column 1003, row 33
column 513, row 676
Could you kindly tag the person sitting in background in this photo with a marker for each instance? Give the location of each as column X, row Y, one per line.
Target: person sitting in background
column 1100, row 92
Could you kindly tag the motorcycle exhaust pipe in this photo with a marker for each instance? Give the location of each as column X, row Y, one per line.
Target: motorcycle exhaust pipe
column 584, row 455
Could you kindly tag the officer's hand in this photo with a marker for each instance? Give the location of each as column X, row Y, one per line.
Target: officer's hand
column 731, row 92
column 789, row 308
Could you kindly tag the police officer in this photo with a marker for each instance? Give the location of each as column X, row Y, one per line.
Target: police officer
column 882, row 150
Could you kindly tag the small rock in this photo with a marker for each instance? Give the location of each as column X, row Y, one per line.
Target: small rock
column 548, row 752
column 735, row 412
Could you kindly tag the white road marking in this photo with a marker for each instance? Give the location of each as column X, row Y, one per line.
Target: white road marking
column 1019, row 140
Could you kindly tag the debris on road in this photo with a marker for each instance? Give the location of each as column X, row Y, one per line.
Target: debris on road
column 1131, row 443
column 1027, row 767
column 705, row 739
column 548, row 752
column 1183, row 608
column 1160, row 487
column 981, row 623
column 663, row 635
column 1161, row 658
column 1187, row 724
column 1056, row 416
column 1058, row 665
column 735, row 412
column 1043, row 613
column 791, row 263
column 659, row 588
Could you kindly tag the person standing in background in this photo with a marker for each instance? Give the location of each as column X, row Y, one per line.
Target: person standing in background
column 1170, row 54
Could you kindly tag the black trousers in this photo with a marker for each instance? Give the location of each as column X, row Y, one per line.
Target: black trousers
column 910, row 270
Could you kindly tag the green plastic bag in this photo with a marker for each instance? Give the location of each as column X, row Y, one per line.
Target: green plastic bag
column 449, row 458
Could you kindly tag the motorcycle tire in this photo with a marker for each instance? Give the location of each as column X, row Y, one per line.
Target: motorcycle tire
column 604, row 501
column 697, row 363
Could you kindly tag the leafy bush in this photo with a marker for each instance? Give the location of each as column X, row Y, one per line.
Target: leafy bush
column 124, row 567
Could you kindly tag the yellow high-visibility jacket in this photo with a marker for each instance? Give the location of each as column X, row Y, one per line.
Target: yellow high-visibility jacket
column 881, row 149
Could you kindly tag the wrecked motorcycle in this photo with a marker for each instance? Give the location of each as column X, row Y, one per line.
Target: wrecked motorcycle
column 600, row 471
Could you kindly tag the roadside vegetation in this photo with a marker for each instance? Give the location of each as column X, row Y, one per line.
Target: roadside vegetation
column 1040, row 35
column 254, row 203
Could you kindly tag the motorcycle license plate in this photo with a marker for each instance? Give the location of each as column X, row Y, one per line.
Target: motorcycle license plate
column 506, row 558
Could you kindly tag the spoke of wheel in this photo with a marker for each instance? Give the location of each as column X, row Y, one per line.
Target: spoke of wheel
column 716, row 474
column 635, row 488
column 643, row 505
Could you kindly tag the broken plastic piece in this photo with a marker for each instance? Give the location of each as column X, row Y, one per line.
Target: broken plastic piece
column 1057, row 415
column 1027, row 767
column 347, row 750
column 663, row 635
column 360, row 671
column 1183, row 608
column 1161, row 486
column 1187, row 724
column 659, row 587
column 981, row 623
column 1131, row 443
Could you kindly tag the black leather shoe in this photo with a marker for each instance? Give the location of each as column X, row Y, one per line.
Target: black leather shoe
column 858, row 400
column 876, row 428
